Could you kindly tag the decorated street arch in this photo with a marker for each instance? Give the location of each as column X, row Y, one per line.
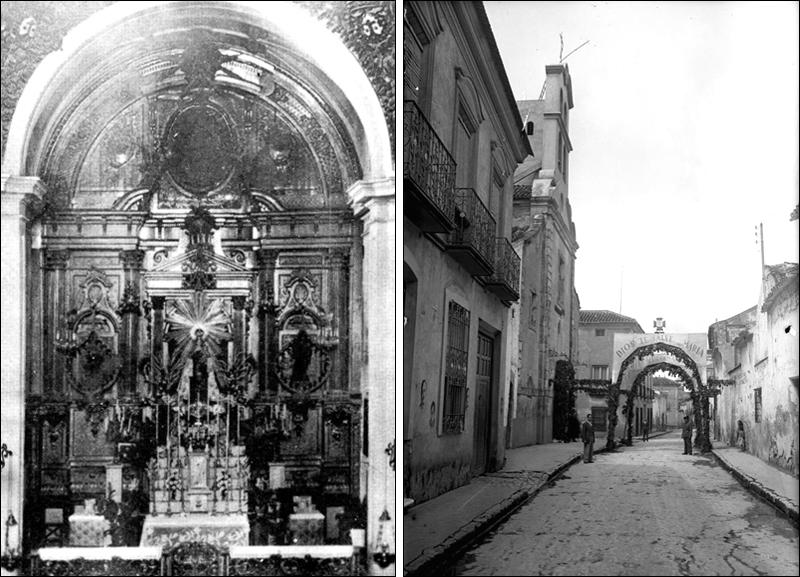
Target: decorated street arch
column 636, row 356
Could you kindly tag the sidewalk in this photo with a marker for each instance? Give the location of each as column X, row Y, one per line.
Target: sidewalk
column 772, row 484
column 440, row 528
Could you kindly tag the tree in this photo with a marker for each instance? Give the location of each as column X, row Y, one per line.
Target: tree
column 563, row 399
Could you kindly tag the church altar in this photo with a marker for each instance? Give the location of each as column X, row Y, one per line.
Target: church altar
column 222, row 530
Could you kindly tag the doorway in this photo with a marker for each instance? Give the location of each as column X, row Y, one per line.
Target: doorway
column 483, row 403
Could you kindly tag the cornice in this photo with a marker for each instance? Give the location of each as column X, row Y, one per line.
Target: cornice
column 551, row 207
column 563, row 127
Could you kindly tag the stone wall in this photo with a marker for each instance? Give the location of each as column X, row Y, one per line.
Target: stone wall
column 763, row 355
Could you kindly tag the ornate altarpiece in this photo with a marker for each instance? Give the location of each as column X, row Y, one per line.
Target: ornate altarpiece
column 195, row 297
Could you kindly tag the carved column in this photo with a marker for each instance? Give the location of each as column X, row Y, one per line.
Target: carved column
column 340, row 285
column 130, row 311
column 17, row 194
column 239, row 329
column 374, row 203
column 157, row 310
column 56, row 324
column 267, row 345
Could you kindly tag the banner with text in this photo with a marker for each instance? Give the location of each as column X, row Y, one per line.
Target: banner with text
column 693, row 344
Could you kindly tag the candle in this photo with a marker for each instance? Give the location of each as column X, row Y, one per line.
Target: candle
column 169, row 444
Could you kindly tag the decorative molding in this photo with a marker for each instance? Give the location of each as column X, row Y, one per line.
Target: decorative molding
column 56, row 259
column 132, row 259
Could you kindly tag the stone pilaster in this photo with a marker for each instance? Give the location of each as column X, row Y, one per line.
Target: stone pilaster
column 374, row 203
column 17, row 195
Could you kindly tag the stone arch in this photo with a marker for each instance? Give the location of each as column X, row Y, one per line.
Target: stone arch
column 326, row 69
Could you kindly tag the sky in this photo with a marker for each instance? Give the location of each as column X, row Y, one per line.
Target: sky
column 685, row 138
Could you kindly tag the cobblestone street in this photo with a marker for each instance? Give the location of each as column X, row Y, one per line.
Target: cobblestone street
column 645, row 510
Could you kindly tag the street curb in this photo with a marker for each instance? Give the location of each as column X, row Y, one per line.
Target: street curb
column 759, row 490
column 431, row 561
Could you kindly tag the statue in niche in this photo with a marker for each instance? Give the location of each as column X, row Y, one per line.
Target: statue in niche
column 304, row 365
column 302, row 348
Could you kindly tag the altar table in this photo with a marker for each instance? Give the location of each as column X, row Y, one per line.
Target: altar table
column 219, row 530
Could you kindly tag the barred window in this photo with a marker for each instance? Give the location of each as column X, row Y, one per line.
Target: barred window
column 757, row 403
column 600, row 372
column 455, row 378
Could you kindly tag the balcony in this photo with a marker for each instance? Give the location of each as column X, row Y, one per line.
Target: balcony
column 505, row 280
column 429, row 174
column 471, row 243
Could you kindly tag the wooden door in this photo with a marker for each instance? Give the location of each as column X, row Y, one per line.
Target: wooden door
column 483, row 403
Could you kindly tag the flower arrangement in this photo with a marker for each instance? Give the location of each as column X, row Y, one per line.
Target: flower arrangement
column 174, row 485
column 222, row 484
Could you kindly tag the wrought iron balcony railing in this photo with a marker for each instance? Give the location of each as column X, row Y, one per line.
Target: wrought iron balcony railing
column 471, row 243
column 504, row 282
column 429, row 173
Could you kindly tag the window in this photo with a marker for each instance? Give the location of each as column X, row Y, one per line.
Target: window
column 599, row 332
column 559, row 151
column 561, row 279
column 529, row 128
column 532, row 313
column 455, row 378
column 496, row 200
column 600, row 372
column 414, row 65
column 757, row 402
column 599, row 418
column 464, row 149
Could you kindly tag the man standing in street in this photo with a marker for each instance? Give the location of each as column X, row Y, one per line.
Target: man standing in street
column 645, row 430
column 687, row 435
column 587, row 436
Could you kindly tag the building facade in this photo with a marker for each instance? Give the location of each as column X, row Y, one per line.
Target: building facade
column 198, row 233
column 755, row 357
column 668, row 396
column 595, row 352
column 544, row 235
column 461, row 143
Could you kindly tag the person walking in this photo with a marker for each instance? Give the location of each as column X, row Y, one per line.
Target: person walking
column 587, row 436
column 645, row 430
column 687, row 435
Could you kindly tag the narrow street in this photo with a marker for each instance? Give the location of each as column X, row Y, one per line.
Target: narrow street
column 645, row 510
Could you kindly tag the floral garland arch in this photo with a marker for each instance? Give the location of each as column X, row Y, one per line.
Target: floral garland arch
column 640, row 353
column 651, row 349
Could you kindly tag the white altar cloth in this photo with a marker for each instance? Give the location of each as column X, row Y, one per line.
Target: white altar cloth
column 97, row 553
column 219, row 530
column 316, row 551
